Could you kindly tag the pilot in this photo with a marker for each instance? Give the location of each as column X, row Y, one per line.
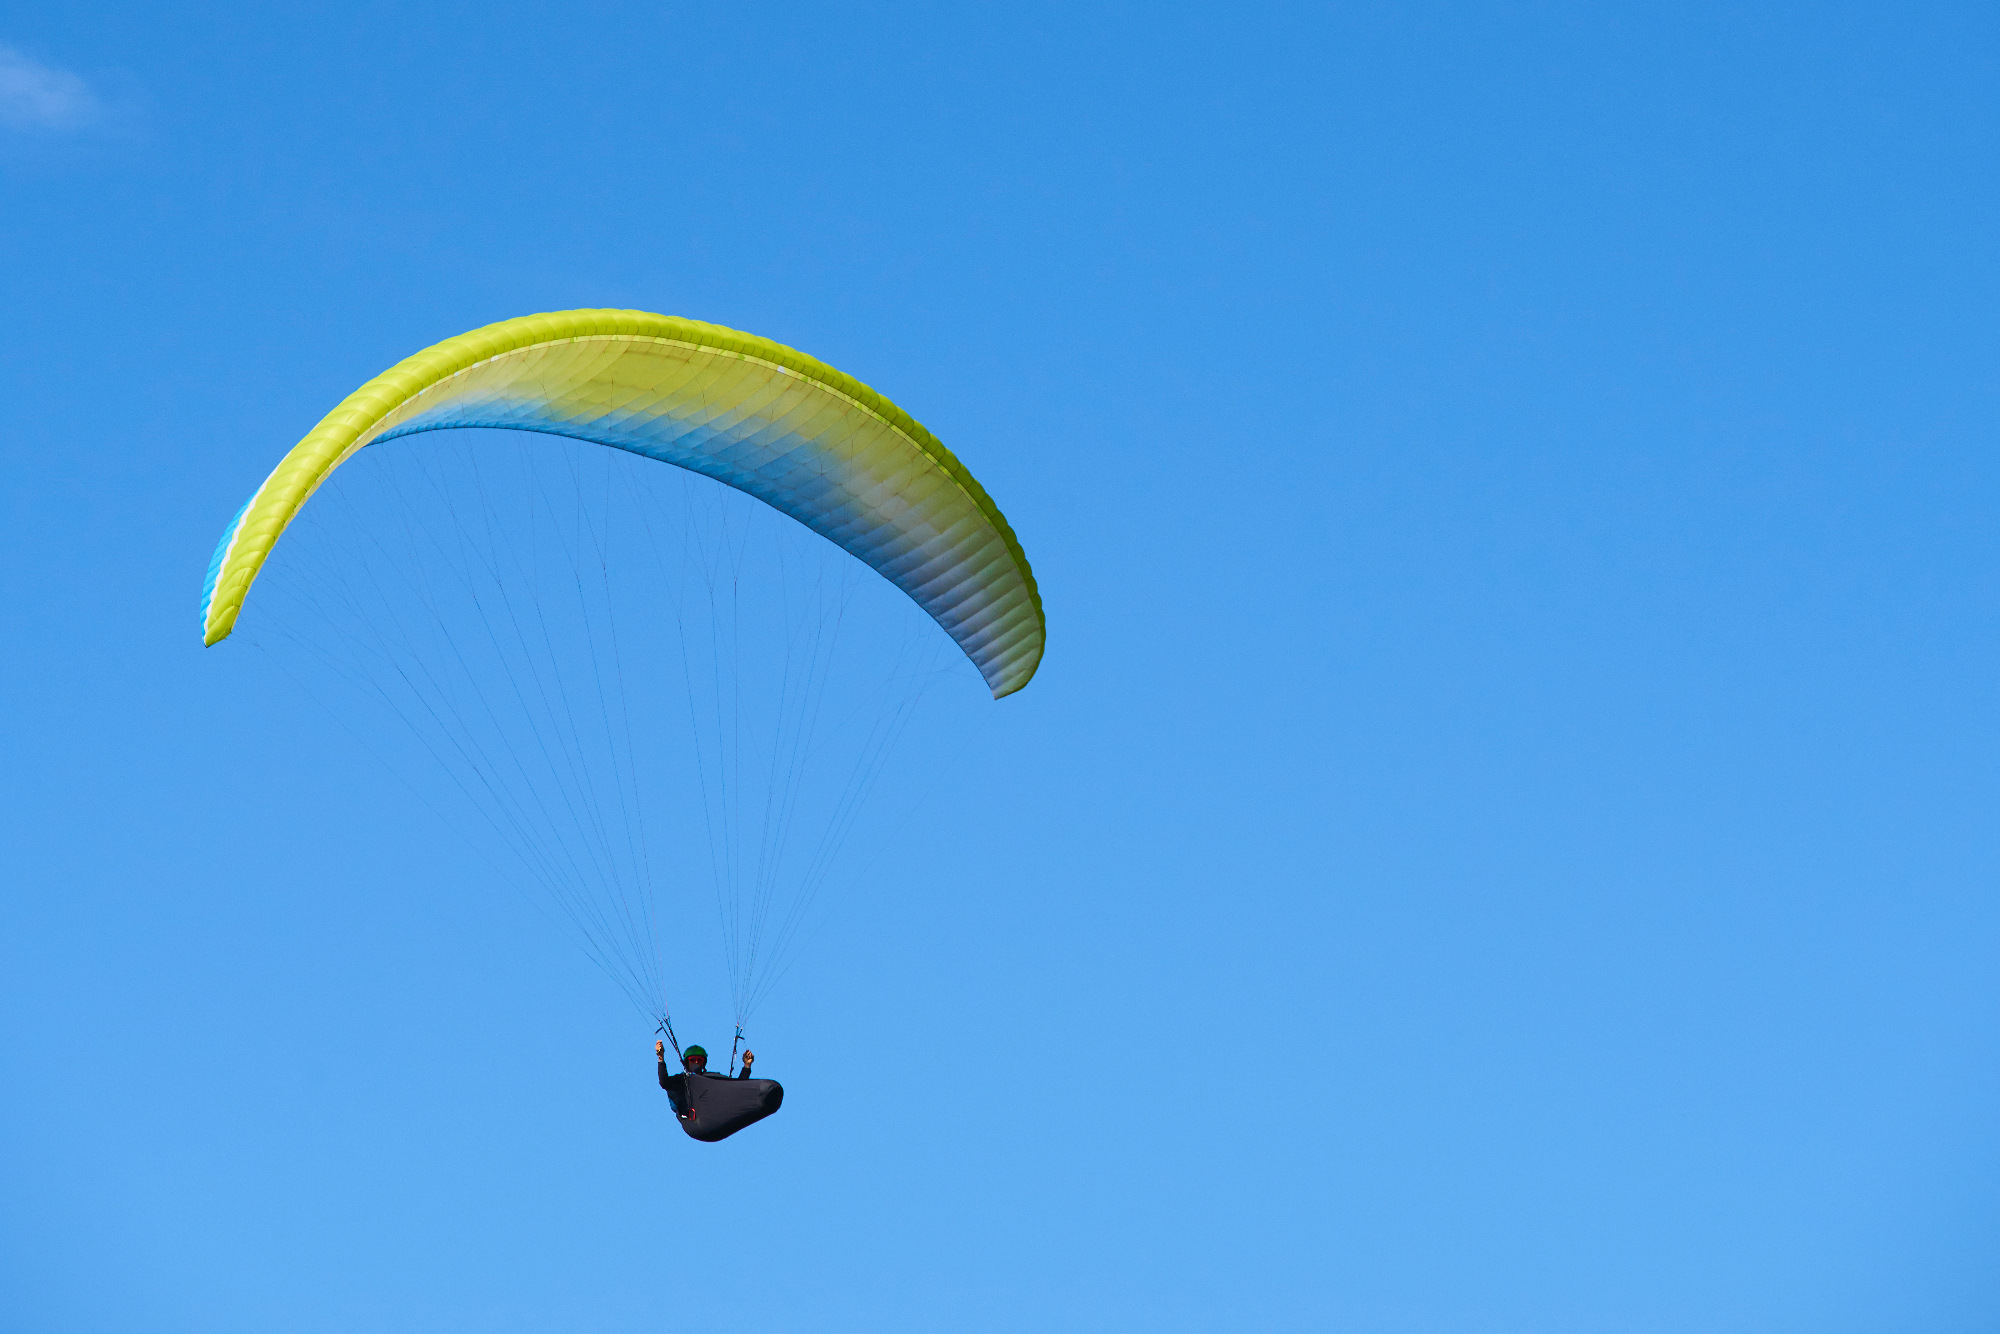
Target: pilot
column 695, row 1061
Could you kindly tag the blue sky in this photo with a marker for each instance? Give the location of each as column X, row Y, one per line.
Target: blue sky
column 1504, row 836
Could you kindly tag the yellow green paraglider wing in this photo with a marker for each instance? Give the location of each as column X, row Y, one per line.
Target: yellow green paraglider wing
column 807, row 440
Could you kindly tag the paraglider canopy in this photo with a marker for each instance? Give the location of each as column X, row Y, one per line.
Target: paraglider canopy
column 756, row 415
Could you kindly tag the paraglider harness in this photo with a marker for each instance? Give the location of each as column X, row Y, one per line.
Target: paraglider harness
column 712, row 1107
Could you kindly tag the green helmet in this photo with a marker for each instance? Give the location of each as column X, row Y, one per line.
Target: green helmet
column 694, row 1051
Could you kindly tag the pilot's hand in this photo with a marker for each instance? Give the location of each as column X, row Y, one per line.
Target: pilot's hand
column 748, row 1056
column 660, row 1050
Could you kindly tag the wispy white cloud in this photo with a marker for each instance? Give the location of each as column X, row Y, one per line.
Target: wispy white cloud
column 36, row 97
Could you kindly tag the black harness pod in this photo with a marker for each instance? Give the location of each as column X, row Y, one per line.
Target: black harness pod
column 714, row 1107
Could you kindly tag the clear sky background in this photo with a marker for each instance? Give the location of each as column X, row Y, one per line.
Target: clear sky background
column 1504, row 838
